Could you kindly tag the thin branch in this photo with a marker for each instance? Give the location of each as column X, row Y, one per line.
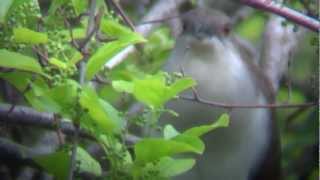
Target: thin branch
column 288, row 13
column 160, row 10
column 120, row 11
column 200, row 100
column 25, row 116
column 91, row 26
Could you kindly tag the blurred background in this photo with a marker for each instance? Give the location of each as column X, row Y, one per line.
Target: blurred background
column 298, row 126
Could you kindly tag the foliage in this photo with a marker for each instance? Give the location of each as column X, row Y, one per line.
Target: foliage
column 43, row 64
column 41, row 49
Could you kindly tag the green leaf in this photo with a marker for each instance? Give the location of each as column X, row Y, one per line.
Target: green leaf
column 152, row 149
column 66, row 96
column 18, row 79
column 104, row 115
column 38, row 95
column 252, row 27
column 76, row 57
column 25, row 35
column 106, row 52
column 40, row 100
column 58, row 63
column 114, row 29
column 181, row 85
column 79, row 6
column 169, row 132
column 193, row 141
column 56, row 163
column 123, row 86
column 223, row 121
column 154, row 92
column 169, row 167
column 18, row 61
column 4, row 7
column 87, row 163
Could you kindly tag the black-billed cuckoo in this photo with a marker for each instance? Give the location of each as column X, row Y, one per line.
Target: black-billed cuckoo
column 225, row 72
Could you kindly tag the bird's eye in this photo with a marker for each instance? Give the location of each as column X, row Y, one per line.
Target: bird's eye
column 226, row 29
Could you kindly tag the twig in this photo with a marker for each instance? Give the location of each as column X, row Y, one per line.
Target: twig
column 290, row 119
column 57, row 120
column 160, row 10
column 25, row 116
column 84, row 49
column 288, row 13
column 120, row 11
column 158, row 20
column 200, row 100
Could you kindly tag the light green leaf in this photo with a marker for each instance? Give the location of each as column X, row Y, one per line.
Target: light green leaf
column 106, row 52
column 123, row 86
column 58, row 63
column 154, row 92
column 252, row 27
column 65, row 95
column 223, row 121
column 87, row 163
column 4, row 7
column 18, row 61
column 181, row 85
column 169, row 132
column 25, row 35
column 79, row 6
column 40, row 100
column 76, row 57
column 104, row 115
column 169, row 167
column 151, row 149
column 114, row 29
column 193, row 141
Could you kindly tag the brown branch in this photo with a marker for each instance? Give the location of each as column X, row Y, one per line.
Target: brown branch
column 25, row 116
column 91, row 26
column 120, row 11
column 200, row 100
column 160, row 10
column 288, row 13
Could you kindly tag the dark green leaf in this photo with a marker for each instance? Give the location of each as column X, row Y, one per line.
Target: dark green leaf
column 56, row 164
column 4, row 7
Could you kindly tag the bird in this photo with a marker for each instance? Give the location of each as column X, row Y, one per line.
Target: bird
column 228, row 72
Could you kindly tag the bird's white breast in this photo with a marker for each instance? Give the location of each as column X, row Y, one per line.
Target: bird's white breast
column 221, row 76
